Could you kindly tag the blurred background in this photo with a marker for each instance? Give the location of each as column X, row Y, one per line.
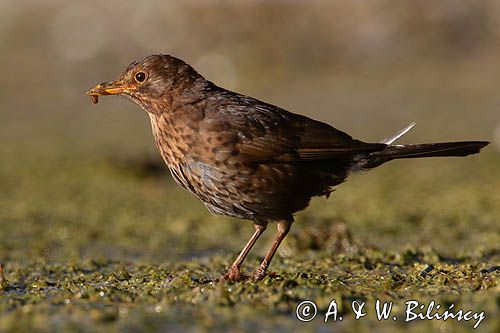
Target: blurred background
column 79, row 179
column 83, row 183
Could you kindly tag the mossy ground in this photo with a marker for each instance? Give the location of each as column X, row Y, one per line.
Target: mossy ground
column 97, row 241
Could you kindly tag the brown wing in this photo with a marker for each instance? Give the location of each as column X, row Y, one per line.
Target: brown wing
column 266, row 133
column 320, row 141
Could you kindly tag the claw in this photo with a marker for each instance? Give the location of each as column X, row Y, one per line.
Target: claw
column 259, row 274
column 233, row 274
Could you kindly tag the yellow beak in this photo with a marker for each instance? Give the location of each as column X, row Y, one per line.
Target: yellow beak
column 107, row 88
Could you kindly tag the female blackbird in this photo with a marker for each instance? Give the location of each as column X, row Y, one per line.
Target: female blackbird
column 246, row 158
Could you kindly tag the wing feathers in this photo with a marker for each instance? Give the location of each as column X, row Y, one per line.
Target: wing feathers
column 266, row 133
column 315, row 154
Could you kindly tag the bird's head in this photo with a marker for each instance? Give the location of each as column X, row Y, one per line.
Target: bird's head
column 152, row 82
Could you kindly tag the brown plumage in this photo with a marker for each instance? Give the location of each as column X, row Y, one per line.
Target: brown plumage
column 246, row 158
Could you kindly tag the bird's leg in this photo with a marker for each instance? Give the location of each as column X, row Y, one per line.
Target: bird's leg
column 234, row 272
column 283, row 228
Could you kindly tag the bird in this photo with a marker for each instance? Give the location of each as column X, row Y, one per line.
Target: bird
column 246, row 158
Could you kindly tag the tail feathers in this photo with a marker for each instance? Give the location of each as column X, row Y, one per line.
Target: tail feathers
column 462, row 148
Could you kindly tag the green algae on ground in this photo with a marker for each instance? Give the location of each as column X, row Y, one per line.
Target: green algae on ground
column 105, row 292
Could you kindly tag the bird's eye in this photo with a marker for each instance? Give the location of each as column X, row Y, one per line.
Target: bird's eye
column 140, row 77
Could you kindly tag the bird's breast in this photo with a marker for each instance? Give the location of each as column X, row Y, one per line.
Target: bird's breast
column 179, row 146
column 172, row 139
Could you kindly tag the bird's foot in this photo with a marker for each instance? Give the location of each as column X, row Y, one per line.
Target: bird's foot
column 259, row 274
column 233, row 274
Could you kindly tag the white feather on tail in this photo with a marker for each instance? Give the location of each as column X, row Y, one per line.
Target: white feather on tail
column 399, row 134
